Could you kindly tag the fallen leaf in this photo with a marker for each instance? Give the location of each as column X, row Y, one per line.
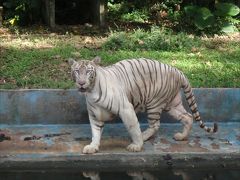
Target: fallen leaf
column 194, row 49
column 76, row 54
column 140, row 42
column 2, row 81
column 88, row 40
column 57, row 56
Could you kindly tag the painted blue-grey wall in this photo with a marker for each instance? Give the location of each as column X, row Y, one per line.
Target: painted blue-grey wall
column 49, row 106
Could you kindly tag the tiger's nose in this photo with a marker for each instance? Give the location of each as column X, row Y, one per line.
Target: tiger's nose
column 81, row 83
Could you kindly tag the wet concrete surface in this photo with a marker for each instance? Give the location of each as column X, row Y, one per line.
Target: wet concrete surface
column 21, row 145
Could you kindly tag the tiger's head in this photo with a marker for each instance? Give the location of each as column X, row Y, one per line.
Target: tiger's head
column 84, row 73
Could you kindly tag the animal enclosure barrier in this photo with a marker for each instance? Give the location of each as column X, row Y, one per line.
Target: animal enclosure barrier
column 48, row 129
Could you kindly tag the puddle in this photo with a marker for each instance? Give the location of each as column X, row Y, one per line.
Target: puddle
column 3, row 137
column 35, row 137
column 169, row 174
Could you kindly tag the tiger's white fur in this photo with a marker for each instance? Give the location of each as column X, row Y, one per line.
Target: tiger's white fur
column 128, row 87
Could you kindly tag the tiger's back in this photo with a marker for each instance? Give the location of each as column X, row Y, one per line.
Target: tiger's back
column 148, row 82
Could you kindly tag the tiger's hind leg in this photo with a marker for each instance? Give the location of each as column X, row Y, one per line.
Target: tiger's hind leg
column 178, row 112
column 153, row 128
column 153, row 117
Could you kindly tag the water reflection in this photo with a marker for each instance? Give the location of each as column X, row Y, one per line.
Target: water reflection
column 134, row 175
column 141, row 176
column 92, row 175
column 203, row 174
column 173, row 175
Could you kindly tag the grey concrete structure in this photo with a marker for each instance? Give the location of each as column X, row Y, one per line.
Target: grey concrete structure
column 68, row 106
column 42, row 129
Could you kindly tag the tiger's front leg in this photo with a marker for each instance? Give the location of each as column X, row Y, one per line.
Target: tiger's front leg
column 130, row 121
column 96, row 127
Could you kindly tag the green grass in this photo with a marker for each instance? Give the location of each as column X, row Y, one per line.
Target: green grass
column 209, row 68
column 154, row 39
column 41, row 62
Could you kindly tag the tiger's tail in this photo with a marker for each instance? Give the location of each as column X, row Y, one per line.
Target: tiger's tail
column 193, row 107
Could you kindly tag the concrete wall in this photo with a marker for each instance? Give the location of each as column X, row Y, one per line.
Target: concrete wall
column 49, row 106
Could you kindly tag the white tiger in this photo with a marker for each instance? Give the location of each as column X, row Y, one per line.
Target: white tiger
column 128, row 87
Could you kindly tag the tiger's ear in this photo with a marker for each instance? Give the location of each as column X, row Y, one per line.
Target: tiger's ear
column 71, row 61
column 96, row 60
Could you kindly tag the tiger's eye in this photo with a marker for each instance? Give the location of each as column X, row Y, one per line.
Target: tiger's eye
column 88, row 71
column 77, row 71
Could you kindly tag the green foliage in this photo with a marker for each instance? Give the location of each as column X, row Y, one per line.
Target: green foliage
column 228, row 27
column 116, row 10
column 22, row 12
column 142, row 10
column 222, row 18
column 140, row 16
column 166, row 13
column 155, row 39
column 209, row 17
column 123, row 12
column 201, row 16
column 226, row 9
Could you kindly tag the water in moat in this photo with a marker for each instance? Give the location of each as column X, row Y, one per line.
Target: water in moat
column 166, row 174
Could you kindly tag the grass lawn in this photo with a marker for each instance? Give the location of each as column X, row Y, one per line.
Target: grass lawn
column 38, row 60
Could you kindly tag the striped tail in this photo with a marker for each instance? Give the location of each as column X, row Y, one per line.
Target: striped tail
column 193, row 106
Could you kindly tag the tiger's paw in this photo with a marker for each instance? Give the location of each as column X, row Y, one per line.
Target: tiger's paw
column 179, row 137
column 148, row 134
column 90, row 149
column 134, row 148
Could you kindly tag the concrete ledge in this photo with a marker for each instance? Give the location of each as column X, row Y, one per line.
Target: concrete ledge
column 60, row 147
column 115, row 162
column 41, row 129
column 51, row 106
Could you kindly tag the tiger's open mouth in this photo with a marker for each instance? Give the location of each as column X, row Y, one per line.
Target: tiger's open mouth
column 82, row 89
